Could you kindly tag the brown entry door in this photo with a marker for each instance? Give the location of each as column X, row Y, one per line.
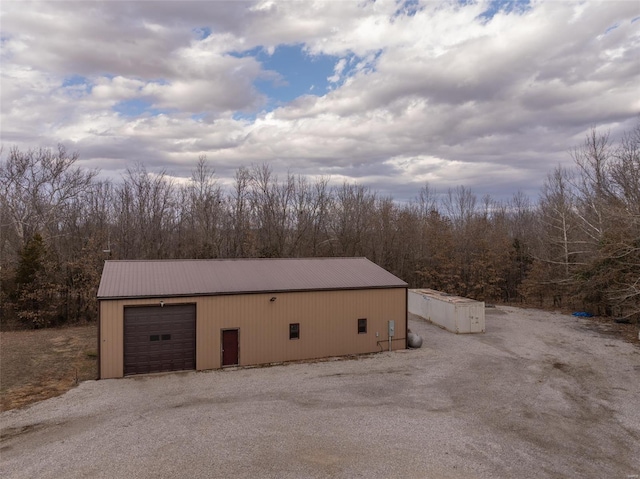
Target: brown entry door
column 229, row 347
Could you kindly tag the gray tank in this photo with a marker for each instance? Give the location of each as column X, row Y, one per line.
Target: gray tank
column 414, row 341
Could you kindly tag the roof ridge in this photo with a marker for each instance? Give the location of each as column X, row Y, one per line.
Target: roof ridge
column 168, row 260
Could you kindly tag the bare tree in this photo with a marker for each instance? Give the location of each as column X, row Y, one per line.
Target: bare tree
column 523, row 232
column 616, row 268
column 272, row 205
column 625, row 171
column 580, row 245
column 40, row 193
column 351, row 219
column 239, row 232
column 460, row 205
column 202, row 213
column 146, row 213
column 426, row 201
column 309, row 212
column 593, row 184
column 36, row 185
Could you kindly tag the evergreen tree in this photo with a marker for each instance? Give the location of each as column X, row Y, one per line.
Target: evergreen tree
column 37, row 296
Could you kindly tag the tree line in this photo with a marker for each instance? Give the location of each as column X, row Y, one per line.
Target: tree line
column 577, row 246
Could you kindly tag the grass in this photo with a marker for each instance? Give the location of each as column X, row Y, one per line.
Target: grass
column 37, row 365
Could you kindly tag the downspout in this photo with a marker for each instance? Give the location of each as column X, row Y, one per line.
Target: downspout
column 99, row 338
column 406, row 318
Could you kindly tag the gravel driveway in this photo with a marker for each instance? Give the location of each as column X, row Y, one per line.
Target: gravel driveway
column 538, row 395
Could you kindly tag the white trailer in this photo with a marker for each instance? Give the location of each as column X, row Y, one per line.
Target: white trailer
column 453, row 313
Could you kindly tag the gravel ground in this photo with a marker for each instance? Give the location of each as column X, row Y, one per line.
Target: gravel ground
column 539, row 395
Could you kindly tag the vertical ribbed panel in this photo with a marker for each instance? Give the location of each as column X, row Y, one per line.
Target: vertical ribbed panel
column 328, row 325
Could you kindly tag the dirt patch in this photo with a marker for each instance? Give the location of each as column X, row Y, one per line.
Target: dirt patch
column 626, row 331
column 37, row 365
column 602, row 324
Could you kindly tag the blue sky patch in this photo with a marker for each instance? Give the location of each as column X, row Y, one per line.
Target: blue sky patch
column 199, row 116
column 611, row 28
column 134, row 107
column 137, row 107
column 248, row 117
column 505, row 6
column 407, row 8
column 76, row 85
column 201, row 32
column 300, row 73
column 74, row 80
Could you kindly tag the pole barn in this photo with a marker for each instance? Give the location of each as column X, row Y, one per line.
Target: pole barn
column 173, row 315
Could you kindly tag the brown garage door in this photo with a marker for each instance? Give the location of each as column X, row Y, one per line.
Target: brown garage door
column 159, row 338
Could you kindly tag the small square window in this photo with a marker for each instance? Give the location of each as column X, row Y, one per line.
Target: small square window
column 154, row 337
column 166, row 337
column 362, row 325
column 294, row 331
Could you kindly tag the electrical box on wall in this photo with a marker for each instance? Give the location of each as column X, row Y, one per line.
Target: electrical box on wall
column 392, row 329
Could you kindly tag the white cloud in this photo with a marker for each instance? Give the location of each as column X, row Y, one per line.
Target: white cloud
column 337, row 70
column 441, row 96
column 117, row 88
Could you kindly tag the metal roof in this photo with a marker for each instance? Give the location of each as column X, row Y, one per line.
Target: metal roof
column 162, row 278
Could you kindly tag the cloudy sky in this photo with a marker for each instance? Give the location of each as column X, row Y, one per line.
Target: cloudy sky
column 391, row 94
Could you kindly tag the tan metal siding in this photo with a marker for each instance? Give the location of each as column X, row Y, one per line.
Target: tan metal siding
column 328, row 325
